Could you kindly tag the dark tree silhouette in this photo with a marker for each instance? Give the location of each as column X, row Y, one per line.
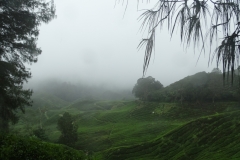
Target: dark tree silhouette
column 68, row 129
column 19, row 31
column 145, row 86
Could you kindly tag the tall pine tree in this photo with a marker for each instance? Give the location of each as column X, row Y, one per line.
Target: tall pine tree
column 19, row 22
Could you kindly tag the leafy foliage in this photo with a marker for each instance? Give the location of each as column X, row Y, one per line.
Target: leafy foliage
column 145, row 86
column 12, row 96
column 12, row 147
column 19, row 32
column 68, row 129
column 40, row 133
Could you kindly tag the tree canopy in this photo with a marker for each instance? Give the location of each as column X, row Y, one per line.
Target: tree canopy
column 200, row 22
column 145, row 86
column 216, row 70
column 19, row 32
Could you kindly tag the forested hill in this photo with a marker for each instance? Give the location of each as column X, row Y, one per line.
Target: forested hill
column 200, row 87
column 197, row 79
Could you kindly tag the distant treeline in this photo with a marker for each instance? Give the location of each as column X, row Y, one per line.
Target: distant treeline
column 201, row 87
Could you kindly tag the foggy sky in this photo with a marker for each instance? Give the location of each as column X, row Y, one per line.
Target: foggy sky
column 90, row 41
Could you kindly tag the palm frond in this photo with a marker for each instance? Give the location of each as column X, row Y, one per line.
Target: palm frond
column 190, row 17
column 150, row 43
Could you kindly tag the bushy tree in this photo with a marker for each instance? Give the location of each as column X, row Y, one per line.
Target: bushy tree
column 145, row 86
column 40, row 133
column 19, row 22
column 68, row 129
column 216, row 70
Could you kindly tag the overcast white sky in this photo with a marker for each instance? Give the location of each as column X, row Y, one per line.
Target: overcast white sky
column 90, row 41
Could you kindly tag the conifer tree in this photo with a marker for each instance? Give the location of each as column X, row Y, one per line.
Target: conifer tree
column 19, row 30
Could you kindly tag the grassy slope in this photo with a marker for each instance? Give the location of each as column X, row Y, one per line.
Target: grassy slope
column 107, row 124
column 214, row 137
column 121, row 126
column 134, row 123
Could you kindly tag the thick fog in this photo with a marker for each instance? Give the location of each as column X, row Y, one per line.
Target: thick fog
column 95, row 42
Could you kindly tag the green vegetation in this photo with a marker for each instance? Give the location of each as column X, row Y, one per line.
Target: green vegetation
column 13, row 147
column 216, row 137
column 199, row 88
column 110, row 126
column 145, row 86
column 19, row 30
column 194, row 118
column 173, row 129
column 68, row 129
column 40, row 133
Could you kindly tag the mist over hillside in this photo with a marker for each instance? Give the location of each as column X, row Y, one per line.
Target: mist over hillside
column 70, row 92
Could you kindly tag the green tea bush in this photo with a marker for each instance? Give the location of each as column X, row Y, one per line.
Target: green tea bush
column 13, row 147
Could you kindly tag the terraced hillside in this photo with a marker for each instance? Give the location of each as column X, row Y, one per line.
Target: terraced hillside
column 213, row 137
column 136, row 122
column 140, row 130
